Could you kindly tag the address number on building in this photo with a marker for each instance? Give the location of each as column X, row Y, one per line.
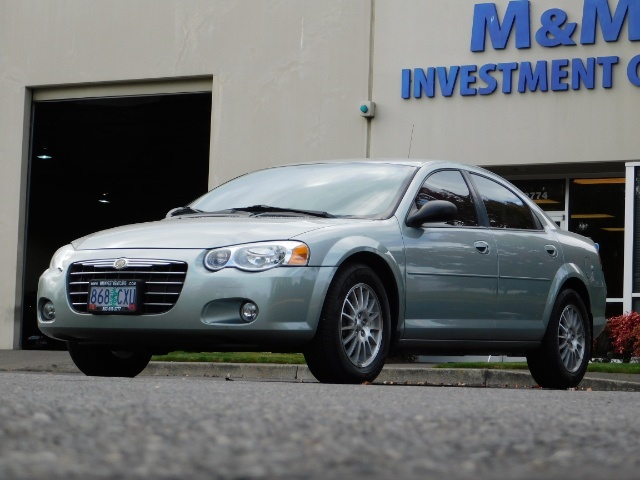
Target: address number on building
column 537, row 195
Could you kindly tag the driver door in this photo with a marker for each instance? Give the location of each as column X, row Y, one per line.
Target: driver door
column 451, row 269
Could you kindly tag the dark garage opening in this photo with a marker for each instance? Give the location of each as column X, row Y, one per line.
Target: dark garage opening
column 103, row 162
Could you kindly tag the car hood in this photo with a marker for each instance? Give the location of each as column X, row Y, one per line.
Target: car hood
column 201, row 232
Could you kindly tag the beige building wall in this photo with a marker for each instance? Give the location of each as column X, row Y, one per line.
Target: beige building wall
column 497, row 129
column 287, row 77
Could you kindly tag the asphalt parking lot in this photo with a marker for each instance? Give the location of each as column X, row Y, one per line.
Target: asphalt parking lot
column 73, row 427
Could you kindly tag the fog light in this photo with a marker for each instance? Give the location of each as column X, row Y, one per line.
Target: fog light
column 48, row 311
column 249, row 312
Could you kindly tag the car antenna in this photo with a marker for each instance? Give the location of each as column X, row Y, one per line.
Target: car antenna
column 411, row 140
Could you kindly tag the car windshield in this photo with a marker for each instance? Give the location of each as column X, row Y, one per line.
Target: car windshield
column 362, row 190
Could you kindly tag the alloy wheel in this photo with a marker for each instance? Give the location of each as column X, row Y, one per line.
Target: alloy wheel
column 361, row 325
column 571, row 338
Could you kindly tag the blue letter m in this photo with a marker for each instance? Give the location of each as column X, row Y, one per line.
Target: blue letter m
column 485, row 18
column 595, row 10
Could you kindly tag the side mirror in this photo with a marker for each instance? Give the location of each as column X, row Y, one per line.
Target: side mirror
column 432, row 212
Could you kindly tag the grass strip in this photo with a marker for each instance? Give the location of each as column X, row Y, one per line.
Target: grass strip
column 298, row 359
column 231, row 357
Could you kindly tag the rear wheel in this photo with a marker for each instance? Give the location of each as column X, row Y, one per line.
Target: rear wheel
column 563, row 357
column 104, row 361
column 352, row 339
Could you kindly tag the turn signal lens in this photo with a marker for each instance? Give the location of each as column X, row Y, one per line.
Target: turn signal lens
column 299, row 255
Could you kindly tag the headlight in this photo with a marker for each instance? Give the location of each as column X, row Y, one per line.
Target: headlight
column 61, row 258
column 257, row 257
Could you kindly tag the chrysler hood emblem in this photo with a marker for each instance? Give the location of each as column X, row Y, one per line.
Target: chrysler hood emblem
column 120, row 263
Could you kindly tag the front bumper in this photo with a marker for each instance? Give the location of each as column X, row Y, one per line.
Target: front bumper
column 207, row 312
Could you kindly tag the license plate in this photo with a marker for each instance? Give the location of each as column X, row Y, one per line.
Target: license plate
column 114, row 296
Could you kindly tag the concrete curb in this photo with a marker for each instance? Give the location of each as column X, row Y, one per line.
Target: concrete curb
column 391, row 374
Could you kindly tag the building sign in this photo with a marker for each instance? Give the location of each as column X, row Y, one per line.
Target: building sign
column 553, row 30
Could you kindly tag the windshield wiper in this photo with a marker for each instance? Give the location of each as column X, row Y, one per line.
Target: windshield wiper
column 269, row 209
column 184, row 211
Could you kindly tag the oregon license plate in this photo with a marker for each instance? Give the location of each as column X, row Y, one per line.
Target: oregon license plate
column 114, row 296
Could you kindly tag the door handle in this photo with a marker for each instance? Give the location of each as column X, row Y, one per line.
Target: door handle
column 551, row 250
column 482, row 246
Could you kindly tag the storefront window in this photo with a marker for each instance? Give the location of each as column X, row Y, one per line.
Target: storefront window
column 636, row 236
column 613, row 309
column 596, row 210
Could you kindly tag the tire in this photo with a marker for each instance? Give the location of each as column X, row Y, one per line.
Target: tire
column 562, row 359
column 352, row 339
column 103, row 361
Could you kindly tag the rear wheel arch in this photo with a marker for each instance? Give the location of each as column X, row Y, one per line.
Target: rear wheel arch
column 580, row 288
column 563, row 356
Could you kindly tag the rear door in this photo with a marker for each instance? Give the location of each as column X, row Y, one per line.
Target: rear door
column 528, row 259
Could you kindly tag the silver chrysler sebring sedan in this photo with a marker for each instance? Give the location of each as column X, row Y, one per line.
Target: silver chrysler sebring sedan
column 343, row 261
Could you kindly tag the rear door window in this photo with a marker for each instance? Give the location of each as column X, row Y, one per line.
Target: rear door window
column 504, row 208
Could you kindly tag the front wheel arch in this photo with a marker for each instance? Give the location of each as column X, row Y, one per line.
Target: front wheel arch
column 329, row 355
column 390, row 283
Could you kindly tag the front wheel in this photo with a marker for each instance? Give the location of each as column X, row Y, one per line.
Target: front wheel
column 352, row 339
column 563, row 357
column 104, row 361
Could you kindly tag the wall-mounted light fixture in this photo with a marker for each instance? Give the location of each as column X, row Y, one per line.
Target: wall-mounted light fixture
column 368, row 109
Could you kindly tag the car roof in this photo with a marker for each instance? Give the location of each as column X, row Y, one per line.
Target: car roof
column 416, row 163
column 394, row 161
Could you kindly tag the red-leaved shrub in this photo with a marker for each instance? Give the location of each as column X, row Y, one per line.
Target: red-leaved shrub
column 624, row 333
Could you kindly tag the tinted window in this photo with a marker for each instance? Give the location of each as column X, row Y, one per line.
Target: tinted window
column 449, row 185
column 505, row 209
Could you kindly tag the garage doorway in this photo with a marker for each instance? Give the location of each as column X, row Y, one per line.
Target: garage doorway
column 96, row 163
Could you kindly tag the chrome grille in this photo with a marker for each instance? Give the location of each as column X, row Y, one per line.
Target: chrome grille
column 163, row 281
